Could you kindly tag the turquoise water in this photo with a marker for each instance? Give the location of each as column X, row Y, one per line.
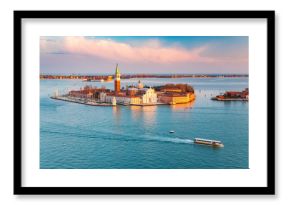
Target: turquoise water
column 75, row 136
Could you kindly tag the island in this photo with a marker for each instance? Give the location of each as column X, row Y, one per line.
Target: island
column 140, row 95
column 233, row 96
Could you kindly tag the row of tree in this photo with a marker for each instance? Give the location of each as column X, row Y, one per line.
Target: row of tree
column 182, row 87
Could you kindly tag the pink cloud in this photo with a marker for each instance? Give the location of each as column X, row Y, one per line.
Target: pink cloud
column 151, row 52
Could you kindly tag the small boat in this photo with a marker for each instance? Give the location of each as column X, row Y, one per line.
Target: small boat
column 213, row 143
column 171, row 131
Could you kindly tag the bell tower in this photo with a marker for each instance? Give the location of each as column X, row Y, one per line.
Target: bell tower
column 117, row 80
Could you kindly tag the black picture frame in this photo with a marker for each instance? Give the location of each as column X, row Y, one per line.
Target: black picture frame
column 268, row 190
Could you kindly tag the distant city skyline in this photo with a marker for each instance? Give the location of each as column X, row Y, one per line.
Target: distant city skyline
column 144, row 54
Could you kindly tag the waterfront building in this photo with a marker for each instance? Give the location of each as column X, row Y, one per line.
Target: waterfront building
column 117, row 80
column 233, row 95
column 149, row 96
column 86, row 92
column 237, row 94
column 132, row 97
column 120, row 98
column 81, row 93
column 176, row 98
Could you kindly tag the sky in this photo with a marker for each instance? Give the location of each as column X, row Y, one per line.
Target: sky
column 144, row 54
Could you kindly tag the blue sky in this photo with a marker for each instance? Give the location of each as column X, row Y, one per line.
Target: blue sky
column 144, row 54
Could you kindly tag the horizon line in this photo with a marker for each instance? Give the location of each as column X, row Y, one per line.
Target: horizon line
column 145, row 74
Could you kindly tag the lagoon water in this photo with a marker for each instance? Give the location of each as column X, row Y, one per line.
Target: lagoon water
column 76, row 136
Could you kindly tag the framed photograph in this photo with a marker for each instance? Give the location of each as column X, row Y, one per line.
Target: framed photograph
column 144, row 102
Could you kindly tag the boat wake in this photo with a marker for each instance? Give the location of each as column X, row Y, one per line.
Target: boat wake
column 169, row 139
column 122, row 137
